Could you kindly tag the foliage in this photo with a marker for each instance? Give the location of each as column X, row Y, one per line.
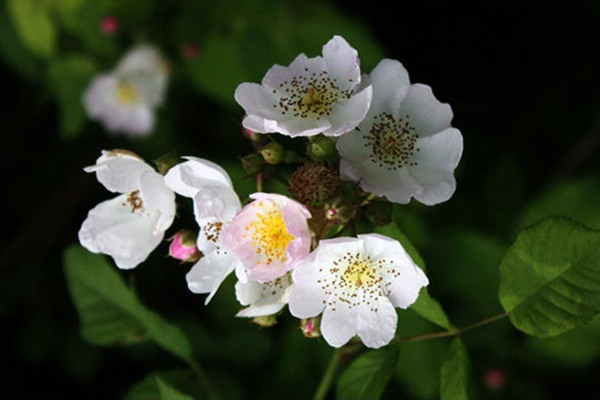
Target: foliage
column 518, row 242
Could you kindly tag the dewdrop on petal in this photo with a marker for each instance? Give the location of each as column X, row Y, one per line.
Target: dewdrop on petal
column 124, row 100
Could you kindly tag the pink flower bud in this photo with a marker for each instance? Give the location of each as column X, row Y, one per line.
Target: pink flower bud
column 109, row 25
column 183, row 246
column 189, row 51
column 494, row 378
column 311, row 327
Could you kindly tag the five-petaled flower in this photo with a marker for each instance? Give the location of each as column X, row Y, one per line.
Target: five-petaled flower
column 405, row 147
column 124, row 99
column 131, row 225
column 215, row 204
column 356, row 283
column 319, row 95
column 270, row 235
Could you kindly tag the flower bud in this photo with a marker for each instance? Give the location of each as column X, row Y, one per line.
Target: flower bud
column 321, row 148
column 189, row 51
column 252, row 163
column 311, row 327
column 183, row 246
column 494, row 378
column 109, row 25
column 272, row 153
column 265, row 321
column 339, row 211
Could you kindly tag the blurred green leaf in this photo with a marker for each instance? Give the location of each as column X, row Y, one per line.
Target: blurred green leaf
column 418, row 369
column 550, row 277
column 169, row 385
column 454, row 374
column 578, row 347
column 34, row 25
column 13, row 50
column 368, row 375
column 577, row 199
column 426, row 306
column 69, row 76
column 110, row 313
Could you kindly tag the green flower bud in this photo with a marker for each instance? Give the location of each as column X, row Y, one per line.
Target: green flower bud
column 272, row 153
column 252, row 163
column 321, row 149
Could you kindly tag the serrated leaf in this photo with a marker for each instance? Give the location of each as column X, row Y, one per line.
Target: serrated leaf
column 426, row 306
column 454, row 373
column 69, row 76
column 550, row 277
column 368, row 375
column 109, row 312
column 34, row 25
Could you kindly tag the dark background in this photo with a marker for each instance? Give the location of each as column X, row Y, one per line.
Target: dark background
column 522, row 80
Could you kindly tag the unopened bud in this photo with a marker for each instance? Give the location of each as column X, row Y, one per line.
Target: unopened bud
column 339, row 211
column 311, row 327
column 183, row 246
column 265, row 321
column 272, row 153
column 494, row 378
column 321, row 149
column 109, row 25
column 189, row 51
column 252, row 163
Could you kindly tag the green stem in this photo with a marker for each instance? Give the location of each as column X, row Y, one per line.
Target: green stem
column 453, row 332
column 327, row 379
column 201, row 375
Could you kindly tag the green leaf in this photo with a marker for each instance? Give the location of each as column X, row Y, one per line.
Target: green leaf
column 430, row 309
column 550, row 277
column 69, row 76
column 426, row 306
column 110, row 313
column 577, row 199
column 34, row 25
column 454, row 373
column 168, row 385
column 14, row 51
column 368, row 375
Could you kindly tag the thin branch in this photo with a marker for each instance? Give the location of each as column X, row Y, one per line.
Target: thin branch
column 451, row 333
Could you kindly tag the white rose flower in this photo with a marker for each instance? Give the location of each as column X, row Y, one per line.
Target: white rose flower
column 130, row 226
column 124, row 99
column 215, row 205
column 405, row 147
column 356, row 283
column 320, row 95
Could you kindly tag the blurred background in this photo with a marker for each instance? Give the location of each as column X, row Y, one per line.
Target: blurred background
column 521, row 77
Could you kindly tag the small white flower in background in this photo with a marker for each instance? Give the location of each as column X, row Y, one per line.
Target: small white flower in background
column 320, row 95
column 405, row 147
column 124, row 100
column 356, row 283
column 262, row 299
column 130, row 226
column 215, row 205
column 270, row 235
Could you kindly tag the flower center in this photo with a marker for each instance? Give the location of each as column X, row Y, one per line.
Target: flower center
column 269, row 234
column 135, row 201
column 310, row 95
column 355, row 279
column 126, row 94
column 392, row 141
